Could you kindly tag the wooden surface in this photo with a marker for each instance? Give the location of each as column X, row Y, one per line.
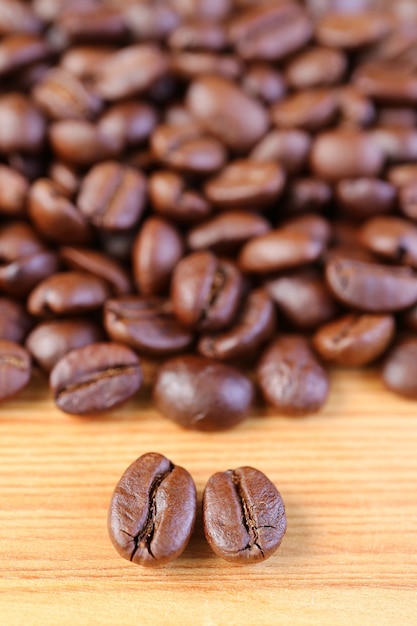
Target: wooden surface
column 348, row 478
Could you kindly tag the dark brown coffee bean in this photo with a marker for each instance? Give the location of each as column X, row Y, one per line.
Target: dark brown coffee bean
column 171, row 198
column 130, row 122
column 202, row 394
column 51, row 340
column 15, row 369
column 352, row 31
column 227, row 232
column 354, row 340
column 356, row 110
column 392, row 238
column 129, row 71
column 408, row 200
column 397, row 143
column 365, row 197
column 399, row 370
column 290, row 377
column 387, row 83
column 311, row 109
column 55, row 216
column 15, row 323
column 206, row 291
column 17, row 240
column 13, row 191
column 254, row 325
column 289, row 147
column 97, row 263
column 20, row 50
column 198, row 35
column 18, row 17
column 112, row 196
column 346, row 153
column 316, row 67
column 150, row 20
column 82, row 61
column 101, row 25
column 227, row 112
column 157, row 250
column 23, row 126
column 146, row 324
column 402, row 175
column 205, row 9
column 316, row 226
column 243, row 515
column 393, row 116
column 191, row 65
column 66, row 177
column 68, row 293
column 246, row 184
column 265, row 82
column 371, row 287
column 306, row 194
column 95, row 378
column 270, row 32
column 187, row 149
column 81, row 143
column 303, row 298
column 152, row 511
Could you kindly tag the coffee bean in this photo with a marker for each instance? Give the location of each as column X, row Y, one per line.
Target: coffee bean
column 392, row 116
column 352, row 31
column 243, row 515
column 290, row 377
column 146, row 324
column 130, row 122
column 51, row 340
column 152, row 511
column 23, row 125
column 150, row 20
column 398, row 372
column 365, row 197
column 289, row 147
column 408, row 200
column 356, row 109
column 68, row 293
column 402, row 175
column 13, row 191
column 18, row 17
column 306, row 194
column 97, row 263
column 66, row 177
column 311, row 109
column 15, row 323
column 316, row 67
column 20, row 50
column 206, row 291
column 101, row 24
column 171, row 198
column 396, row 142
column 254, row 325
column 112, row 196
column 386, row 83
column 95, row 378
column 202, row 394
column 392, row 238
column 191, row 65
column 82, row 143
column 82, row 61
column 264, row 82
column 371, row 287
column 15, row 369
column 354, row 340
column 157, row 250
column 198, row 36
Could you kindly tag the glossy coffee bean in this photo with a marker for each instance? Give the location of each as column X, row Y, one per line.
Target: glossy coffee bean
column 243, row 515
column 316, row 67
column 306, row 194
column 112, row 196
column 23, row 125
column 146, row 324
column 254, row 325
column 202, row 394
column 82, row 143
column 352, row 31
column 198, row 35
column 354, row 340
column 15, row 323
column 150, row 20
column 365, row 197
column 82, row 60
column 152, row 511
column 264, row 82
column 15, row 369
column 386, row 83
column 289, row 147
column 402, row 175
column 95, row 378
column 408, row 200
column 191, row 65
column 399, row 369
column 311, row 109
column 98, row 264
column 206, row 291
column 356, row 110
column 67, row 293
column 371, row 287
column 99, row 24
column 51, row 340
column 290, row 377
column 18, row 17
column 66, row 177
column 13, row 191
column 156, row 252
column 18, row 51
column 397, row 143
column 173, row 199
column 131, row 122
column 391, row 238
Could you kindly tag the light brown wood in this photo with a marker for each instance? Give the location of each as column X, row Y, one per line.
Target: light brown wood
column 348, row 477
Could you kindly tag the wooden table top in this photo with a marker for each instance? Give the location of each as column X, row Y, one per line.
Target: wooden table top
column 348, row 478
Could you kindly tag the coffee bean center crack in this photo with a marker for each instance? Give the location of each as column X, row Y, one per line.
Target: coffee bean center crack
column 119, row 370
column 248, row 517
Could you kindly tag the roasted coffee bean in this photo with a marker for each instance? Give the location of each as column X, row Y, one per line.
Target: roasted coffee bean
column 227, row 232
column 206, row 291
column 13, row 191
column 393, row 116
column 303, row 299
column 392, row 238
column 408, row 200
column 270, row 32
column 97, row 263
column 264, row 82
column 157, row 250
column 246, row 184
column 402, row 175
column 191, row 65
column 187, row 149
column 18, row 17
column 354, row 340
column 55, row 216
column 15, row 323
column 17, row 240
column 346, row 153
column 397, row 143
column 15, row 369
column 316, row 67
column 95, row 378
column 68, row 293
column 290, row 377
column 22, row 125
column 20, row 50
column 130, row 122
column 198, row 35
column 243, row 515
column 365, row 197
column 101, row 24
column 316, row 226
column 289, row 147
column 150, row 20
column 311, row 109
column 398, row 372
column 82, row 61
column 387, row 83
column 171, row 198
column 352, row 31
column 152, row 511
column 82, row 143
column 227, row 112
column 356, row 109
column 254, row 325
column 112, row 196
column 306, row 194
column 146, row 324
column 51, row 340
column 371, row 287
column 202, row 394
column 66, row 177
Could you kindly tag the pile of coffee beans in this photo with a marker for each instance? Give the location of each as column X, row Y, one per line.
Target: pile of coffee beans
column 220, row 186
